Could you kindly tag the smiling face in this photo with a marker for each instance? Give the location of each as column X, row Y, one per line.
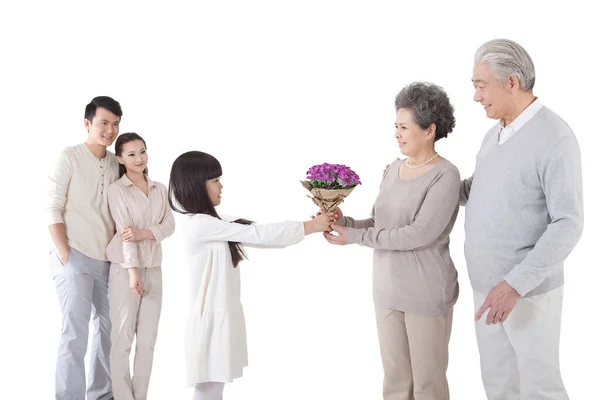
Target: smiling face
column 134, row 156
column 214, row 188
column 103, row 128
column 494, row 95
column 412, row 139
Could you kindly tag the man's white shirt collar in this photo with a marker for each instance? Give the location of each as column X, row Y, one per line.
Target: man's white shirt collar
column 528, row 113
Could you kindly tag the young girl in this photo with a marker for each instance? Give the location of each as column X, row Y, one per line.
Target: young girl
column 143, row 218
column 215, row 340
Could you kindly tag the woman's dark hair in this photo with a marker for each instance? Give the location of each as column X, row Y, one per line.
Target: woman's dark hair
column 121, row 140
column 105, row 102
column 430, row 105
column 188, row 193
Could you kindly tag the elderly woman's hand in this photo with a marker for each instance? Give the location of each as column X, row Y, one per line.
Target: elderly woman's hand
column 340, row 239
column 337, row 214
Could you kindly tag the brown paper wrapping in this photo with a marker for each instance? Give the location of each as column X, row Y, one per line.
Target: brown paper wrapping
column 327, row 199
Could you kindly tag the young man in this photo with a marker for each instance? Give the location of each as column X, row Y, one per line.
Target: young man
column 81, row 228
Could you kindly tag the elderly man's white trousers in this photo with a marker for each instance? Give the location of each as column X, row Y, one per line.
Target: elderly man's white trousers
column 520, row 357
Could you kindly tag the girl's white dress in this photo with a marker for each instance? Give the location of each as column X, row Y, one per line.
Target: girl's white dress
column 215, row 337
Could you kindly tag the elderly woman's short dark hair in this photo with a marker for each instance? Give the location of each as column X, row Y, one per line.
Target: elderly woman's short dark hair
column 430, row 105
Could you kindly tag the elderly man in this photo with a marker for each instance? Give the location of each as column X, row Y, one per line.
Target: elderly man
column 524, row 215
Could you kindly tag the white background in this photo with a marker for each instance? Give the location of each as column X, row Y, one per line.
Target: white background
column 271, row 88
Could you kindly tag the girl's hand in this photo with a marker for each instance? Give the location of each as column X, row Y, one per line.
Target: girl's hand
column 320, row 223
column 337, row 213
column 135, row 283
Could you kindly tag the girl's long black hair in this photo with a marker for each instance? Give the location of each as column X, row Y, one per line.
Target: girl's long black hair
column 188, row 194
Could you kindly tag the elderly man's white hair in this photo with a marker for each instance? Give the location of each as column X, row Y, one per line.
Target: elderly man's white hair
column 507, row 58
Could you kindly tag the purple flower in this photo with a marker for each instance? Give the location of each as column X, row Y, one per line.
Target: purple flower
column 332, row 176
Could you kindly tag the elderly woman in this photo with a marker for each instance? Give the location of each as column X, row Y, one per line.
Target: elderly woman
column 414, row 280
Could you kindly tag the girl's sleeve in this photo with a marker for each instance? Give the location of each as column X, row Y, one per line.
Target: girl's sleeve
column 205, row 228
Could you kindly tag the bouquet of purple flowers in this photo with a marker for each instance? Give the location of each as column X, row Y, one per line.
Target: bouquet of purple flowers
column 330, row 184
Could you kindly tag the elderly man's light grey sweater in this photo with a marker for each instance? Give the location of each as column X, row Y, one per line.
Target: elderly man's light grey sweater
column 524, row 207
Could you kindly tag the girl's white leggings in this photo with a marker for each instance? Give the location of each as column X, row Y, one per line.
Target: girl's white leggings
column 209, row 391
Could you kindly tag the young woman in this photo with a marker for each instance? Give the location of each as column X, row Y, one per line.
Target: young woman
column 215, row 338
column 143, row 218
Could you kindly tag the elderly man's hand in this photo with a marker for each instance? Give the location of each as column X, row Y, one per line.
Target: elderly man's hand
column 387, row 166
column 501, row 301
